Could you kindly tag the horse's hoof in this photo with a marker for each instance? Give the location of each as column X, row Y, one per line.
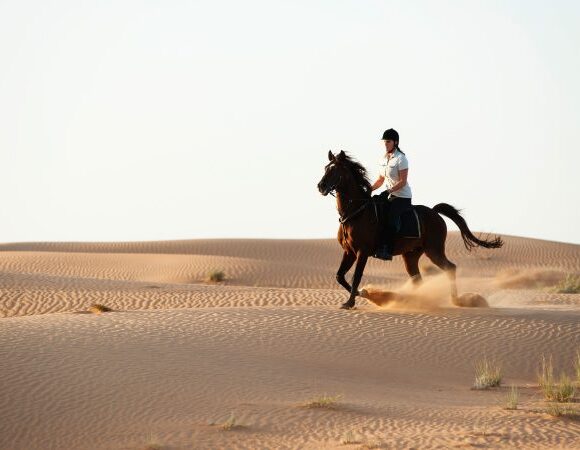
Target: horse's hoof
column 347, row 306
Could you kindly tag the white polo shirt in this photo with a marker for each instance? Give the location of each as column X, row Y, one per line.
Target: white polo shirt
column 389, row 168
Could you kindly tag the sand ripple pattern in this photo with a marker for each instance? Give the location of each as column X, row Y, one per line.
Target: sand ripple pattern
column 179, row 355
column 171, row 372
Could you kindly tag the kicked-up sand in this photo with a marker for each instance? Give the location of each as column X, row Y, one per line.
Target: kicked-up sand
column 181, row 362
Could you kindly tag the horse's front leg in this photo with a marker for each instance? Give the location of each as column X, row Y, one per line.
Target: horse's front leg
column 348, row 259
column 361, row 260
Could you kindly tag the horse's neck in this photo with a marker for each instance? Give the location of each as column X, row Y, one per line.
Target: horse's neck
column 348, row 197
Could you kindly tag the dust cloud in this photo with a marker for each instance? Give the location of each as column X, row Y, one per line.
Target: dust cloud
column 433, row 293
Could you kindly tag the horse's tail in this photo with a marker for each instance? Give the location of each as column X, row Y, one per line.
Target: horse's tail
column 469, row 239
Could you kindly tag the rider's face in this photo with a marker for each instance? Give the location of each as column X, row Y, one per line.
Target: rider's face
column 389, row 145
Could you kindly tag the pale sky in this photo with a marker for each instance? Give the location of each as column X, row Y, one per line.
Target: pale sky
column 154, row 120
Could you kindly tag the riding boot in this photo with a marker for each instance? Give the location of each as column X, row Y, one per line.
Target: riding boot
column 385, row 249
column 383, row 252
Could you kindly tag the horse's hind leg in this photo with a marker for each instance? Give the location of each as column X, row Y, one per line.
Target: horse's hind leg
column 440, row 260
column 412, row 265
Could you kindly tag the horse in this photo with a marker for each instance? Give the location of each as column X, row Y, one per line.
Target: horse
column 359, row 228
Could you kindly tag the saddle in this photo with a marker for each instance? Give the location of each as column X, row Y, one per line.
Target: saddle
column 410, row 224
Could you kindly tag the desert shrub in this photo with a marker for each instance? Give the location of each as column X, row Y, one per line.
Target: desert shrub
column 561, row 391
column 564, row 391
column 546, row 377
column 230, row 423
column 488, row 373
column 351, row 438
column 569, row 285
column 97, row 308
column 216, row 276
column 152, row 443
column 511, row 399
column 577, row 366
column 559, row 410
column 324, row 401
column 227, row 424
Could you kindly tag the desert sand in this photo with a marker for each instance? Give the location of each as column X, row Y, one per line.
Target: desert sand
column 185, row 363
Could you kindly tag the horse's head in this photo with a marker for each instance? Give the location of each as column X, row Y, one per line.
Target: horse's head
column 335, row 173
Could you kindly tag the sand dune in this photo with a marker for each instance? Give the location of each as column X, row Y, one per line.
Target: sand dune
column 180, row 356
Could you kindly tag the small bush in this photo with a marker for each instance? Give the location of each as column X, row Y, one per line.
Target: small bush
column 512, row 397
column 99, row 309
column 569, row 285
column 324, row 401
column 350, row 438
column 487, row 374
column 546, row 377
column 230, row 423
column 152, row 443
column 559, row 410
column 564, row 391
column 577, row 366
column 216, row 276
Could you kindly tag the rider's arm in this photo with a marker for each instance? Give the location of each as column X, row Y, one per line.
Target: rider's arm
column 402, row 180
column 378, row 183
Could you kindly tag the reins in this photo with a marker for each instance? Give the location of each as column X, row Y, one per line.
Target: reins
column 344, row 219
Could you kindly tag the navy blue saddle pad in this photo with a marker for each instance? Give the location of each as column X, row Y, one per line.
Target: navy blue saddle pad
column 410, row 227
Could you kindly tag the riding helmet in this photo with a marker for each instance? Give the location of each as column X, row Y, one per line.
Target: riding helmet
column 391, row 135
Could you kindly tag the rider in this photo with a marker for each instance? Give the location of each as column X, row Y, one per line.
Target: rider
column 394, row 170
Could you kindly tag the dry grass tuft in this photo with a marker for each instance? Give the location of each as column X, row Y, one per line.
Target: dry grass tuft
column 216, row 276
column 562, row 391
column 577, row 366
column 488, row 373
column 228, row 424
column 153, row 447
column 512, row 398
column 152, row 443
column 97, row 308
column 324, row 401
column 546, row 377
column 351, row 438
column 558, row 410
column 569, row 285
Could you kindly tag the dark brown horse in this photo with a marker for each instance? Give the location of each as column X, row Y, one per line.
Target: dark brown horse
column 359, row 227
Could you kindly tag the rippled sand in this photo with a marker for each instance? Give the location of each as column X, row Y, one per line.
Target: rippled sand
column 179, row 356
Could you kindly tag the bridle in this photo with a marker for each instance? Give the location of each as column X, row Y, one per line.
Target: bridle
column 343, row 219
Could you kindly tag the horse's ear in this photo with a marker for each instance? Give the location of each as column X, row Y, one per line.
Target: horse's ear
column 330, row 156
column 341, row 155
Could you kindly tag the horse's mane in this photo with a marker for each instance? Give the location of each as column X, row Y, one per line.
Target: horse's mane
column 359, row 173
